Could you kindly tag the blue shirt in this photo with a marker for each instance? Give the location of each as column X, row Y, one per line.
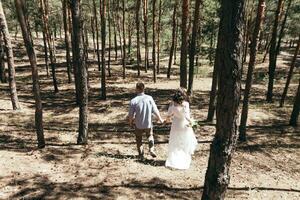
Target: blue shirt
column 141, row 109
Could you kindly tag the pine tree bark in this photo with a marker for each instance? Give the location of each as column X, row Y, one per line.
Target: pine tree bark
column 109, row 38
column 251, row 65
column 290, row 74
column 2, row 57
column 224, row 143
column 124, row 39
column 184, row 43
column 193, row 45
column 46, row 53
column 172, row 49
column 158, row 36
column 145, row 14
column 79, row 64
column 214, row 85
column 97, row 34
column 67, row 38
column 138, row 48
column 103, row 41
column 154, row 39
column 272, row 53
column 35, row 77
column 281, row 33
column 50, row 41
column 296, row 108
column 10, row 60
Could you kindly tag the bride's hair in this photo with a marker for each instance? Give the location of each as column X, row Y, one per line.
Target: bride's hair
column 180, row 96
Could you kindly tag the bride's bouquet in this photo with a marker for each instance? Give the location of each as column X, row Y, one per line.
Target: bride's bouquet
column 194, row 124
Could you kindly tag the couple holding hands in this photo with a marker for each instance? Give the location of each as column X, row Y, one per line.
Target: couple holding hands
column 182, row 140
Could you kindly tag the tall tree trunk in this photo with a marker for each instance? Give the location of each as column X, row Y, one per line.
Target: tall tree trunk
column 272, row 53
column 124, row 39
column 193, row 45
column 154, row 39
column 224, row 143
column 50, row 41
column 145, row 14
column 115, row 38
column 138, row 48
column 213, row 91
column 109, row 37
column 35, row 77
column 281, row 33
column 10, row 60
column 184, row 44
column 46, row 53
column 172, row 49
column 97, row 34
column 253, row 50
column 2, row 57
column 103, row 37
column 81, row 72
column 296, row 108
column 176, row 39
column 93, row 36
column 158, row 36
column 67, row 38
column 290, row 74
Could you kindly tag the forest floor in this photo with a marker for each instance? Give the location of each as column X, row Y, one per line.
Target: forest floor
column 264, row 167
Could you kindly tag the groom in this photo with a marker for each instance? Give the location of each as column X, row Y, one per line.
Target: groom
column 140, row 116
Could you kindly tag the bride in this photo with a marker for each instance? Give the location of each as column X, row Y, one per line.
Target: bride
column 182, row 141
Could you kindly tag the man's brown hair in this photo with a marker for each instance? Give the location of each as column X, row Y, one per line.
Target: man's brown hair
column 140, row 86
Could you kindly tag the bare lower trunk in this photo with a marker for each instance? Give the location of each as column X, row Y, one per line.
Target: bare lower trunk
column 184, row 43
column 193, row 45
column 296, row 108
column 172, row 49
column 35, row 77
column 253, row 50
column 10, row 60
column 223, row 146
column 289, row 77
column 79, row 64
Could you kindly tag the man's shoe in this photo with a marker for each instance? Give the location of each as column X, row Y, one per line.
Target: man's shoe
column 153, row 154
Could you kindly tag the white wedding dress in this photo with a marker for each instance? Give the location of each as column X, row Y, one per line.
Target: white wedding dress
column 182, row 141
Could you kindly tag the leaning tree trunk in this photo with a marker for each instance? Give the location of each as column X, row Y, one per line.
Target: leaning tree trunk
column 224, row 143
column 288, row 80
column 81, row 72
column 184, row 43
column 67, row 38
column 296, row 108
column 154, row 39
column 193, row 45
column 145, row 14
column 35, row 77
column 103, row 36
column 272, row 53
column 253, row 50
column 10, row 60
column 281, row 33
column 173, row 39
column 50, row 41
column 138, row 48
